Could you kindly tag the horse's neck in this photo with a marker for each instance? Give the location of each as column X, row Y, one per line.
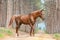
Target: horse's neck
column 35, row 16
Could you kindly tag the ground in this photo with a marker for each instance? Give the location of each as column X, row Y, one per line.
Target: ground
column 25, row 36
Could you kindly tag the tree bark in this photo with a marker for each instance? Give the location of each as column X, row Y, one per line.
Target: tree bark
column 53, row 18
column 9, row 11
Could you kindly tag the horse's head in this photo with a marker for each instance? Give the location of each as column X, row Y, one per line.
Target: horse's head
column 38, row 13
column 41, row 14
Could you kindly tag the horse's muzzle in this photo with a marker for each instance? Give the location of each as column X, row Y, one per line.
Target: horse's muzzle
column 43, row 19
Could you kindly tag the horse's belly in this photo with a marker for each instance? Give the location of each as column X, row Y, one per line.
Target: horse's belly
column 25, row 21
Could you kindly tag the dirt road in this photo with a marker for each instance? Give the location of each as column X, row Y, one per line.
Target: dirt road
column 26, row 36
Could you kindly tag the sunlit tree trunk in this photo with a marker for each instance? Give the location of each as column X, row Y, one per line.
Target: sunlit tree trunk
column 9, row 11
column 3, row 13
column 0, row 13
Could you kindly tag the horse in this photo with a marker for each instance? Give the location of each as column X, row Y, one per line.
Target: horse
column 28, row 19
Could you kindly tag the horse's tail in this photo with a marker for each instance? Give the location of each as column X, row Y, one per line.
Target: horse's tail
column 11, row 20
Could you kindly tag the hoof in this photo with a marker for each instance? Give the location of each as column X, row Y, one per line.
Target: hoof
column 17, row 35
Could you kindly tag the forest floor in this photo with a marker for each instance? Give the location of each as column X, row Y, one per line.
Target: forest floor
column 25, row 36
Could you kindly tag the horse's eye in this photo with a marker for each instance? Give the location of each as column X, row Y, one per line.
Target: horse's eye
column 40, row 13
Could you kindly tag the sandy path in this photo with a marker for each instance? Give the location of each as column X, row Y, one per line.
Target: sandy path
column 26, row 36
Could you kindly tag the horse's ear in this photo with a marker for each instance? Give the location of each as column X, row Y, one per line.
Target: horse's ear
column 42, row 10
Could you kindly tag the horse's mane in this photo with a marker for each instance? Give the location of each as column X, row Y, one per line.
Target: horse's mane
column 34, row 12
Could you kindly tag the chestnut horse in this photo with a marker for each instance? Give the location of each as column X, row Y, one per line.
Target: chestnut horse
column 29, row 19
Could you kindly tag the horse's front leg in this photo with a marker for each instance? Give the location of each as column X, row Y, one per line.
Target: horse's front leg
column 31, row 30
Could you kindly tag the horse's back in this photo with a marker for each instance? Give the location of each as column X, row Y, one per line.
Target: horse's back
column 25, row 19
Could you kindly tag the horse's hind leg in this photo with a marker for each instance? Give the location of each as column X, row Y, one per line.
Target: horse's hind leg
column 17, row 28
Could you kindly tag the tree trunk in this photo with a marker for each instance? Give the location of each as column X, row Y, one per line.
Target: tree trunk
column 9, row 10
column 53, row 18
